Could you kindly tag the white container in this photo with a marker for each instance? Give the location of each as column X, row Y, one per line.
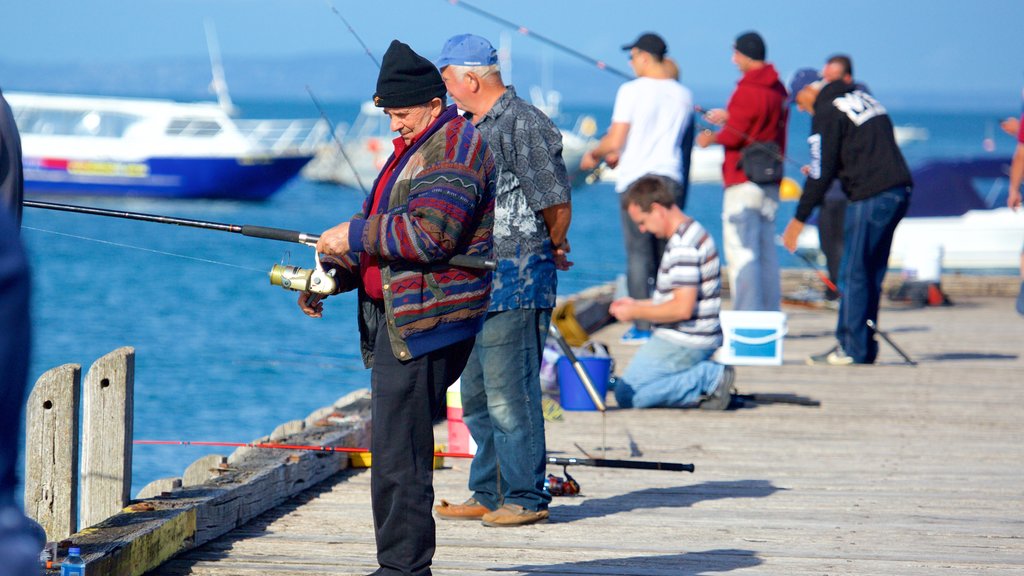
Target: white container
column 752, row 338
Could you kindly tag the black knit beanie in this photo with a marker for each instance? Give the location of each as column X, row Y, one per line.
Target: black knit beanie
column 406, row 79
column 751, row 45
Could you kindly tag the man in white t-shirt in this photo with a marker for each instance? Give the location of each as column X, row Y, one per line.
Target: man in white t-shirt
column 650, row 116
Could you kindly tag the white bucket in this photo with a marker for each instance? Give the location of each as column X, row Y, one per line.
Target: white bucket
column 752, row 338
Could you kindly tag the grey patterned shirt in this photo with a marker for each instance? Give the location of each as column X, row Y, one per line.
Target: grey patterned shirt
column 527, row 148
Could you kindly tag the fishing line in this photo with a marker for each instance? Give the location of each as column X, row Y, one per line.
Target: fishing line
column 527, row 32
column 352, row 30
column 778, row 155
column 146, row 249
column 334, row 135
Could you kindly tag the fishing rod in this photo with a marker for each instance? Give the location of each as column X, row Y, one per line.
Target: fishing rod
column 353, row 31
column 601, row 65
column 315, row 280
column 595, row 462
column 334, row 135
column 810, row 264
column 631, row 464
column 274, row 446
column 763, row 145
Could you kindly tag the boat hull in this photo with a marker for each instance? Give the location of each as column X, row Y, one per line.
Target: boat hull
column 251, row 178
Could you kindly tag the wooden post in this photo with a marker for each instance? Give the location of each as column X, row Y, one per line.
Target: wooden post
column 51, row 451
column 107, row 414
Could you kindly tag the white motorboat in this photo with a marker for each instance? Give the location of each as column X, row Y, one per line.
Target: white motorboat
column 95, row 145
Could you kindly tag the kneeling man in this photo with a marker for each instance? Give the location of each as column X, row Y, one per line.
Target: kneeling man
column 673, row 369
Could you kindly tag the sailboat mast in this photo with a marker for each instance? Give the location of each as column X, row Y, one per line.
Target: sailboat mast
column 219, row 85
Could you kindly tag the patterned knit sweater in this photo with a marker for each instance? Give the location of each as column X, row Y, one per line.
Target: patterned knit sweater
column 440, row 202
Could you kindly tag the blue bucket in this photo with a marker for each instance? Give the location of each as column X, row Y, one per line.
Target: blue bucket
column 572, row 393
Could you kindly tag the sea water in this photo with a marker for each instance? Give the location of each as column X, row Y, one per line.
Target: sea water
column 221, row 355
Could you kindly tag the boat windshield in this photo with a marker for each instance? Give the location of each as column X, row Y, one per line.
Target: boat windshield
column 194, row 127
column 50, row 122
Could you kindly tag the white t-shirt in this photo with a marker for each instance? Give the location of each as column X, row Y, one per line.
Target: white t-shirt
column 657, row 111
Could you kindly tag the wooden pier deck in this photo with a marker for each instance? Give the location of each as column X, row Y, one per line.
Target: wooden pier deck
column 901, row 470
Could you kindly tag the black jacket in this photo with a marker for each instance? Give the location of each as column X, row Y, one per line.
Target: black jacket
column 852, row 139
column 12, row 180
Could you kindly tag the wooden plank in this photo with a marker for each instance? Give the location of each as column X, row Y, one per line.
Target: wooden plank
column 151, row 531
column 51, row 451
column 108, row 412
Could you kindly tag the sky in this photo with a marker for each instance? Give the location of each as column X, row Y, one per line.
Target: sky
column 920, row 47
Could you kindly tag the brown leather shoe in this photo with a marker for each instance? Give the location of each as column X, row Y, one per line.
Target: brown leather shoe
column 468, row 510
column 511, row 515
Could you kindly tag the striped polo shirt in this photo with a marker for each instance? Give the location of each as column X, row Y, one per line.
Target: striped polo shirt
column 691, row 259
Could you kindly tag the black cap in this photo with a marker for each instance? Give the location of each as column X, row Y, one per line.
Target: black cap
column 649, row 42
column 751, row 45
column 406, row 79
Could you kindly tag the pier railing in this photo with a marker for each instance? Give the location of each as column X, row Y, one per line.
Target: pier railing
column 214, row 494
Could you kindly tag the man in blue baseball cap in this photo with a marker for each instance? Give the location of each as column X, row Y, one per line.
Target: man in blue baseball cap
column 501, row 395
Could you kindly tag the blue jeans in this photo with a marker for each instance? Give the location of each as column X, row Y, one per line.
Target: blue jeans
column 501, row 407
column 867, row 237
column 748, row 236
column 663, row 373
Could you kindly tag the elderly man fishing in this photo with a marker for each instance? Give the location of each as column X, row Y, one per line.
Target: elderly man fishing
column 418, row 314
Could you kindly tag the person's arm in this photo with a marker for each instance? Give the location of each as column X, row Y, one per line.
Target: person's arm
column 825, row 142
column 611, row 144
column 1016, row 177
column 680, row 307
column 557, row 218
column 738, row 123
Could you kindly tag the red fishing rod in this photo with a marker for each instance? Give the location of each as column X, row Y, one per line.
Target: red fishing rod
column 596, row 462
column 274, row 446
column 821, row 275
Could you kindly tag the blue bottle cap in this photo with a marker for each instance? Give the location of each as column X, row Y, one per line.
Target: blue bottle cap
column 74, row 551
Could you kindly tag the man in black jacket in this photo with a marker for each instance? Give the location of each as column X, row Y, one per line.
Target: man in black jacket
column 852, row 139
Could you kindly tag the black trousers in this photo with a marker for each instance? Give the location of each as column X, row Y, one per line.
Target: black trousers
column 406, row 396
column 830, row 237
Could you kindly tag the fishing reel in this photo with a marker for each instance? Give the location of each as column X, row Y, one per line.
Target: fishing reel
column 315, row 280
column 557, row 486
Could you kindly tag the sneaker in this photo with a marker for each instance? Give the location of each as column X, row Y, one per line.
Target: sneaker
column 635, row 336
column 721, row 396
column 834, row 357
column 468, row 510
column 511, row 515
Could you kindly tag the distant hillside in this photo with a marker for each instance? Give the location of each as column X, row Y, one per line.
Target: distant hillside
column 352, row 77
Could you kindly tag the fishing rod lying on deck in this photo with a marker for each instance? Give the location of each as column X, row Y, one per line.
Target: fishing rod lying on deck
column 315, row 280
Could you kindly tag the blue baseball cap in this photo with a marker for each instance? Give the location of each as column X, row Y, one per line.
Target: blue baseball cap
column 800, row 80
column 467, row 50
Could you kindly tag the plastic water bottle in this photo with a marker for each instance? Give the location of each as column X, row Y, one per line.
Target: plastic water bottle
column 73, row 565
